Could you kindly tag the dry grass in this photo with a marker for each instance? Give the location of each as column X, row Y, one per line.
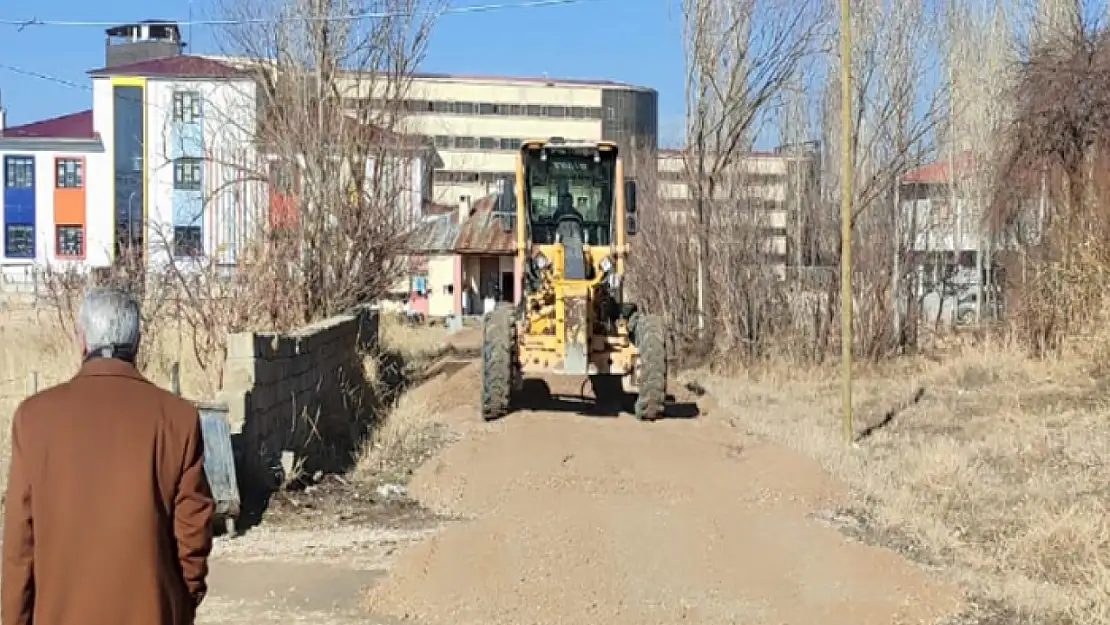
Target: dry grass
column 411, row 426
column 996, row 472
column 34, row 342
column 420, row 344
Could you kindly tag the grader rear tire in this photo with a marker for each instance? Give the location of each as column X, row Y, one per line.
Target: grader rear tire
column 497, row 363
column 651, row 343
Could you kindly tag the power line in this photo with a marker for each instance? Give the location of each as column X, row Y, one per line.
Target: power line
column 21, row 24
column 451, row 10
column 67, row 83
column 41, row 76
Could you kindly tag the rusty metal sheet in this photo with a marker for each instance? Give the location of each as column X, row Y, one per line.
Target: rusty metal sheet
column 481, row 232
column 434, row 235
column 484, row 233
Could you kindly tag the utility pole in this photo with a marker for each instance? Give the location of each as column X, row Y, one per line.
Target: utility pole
column 896, row 278
column 846, row 216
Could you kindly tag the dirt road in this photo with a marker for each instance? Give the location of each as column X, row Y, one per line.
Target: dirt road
column 277, row 576
column 564, row 518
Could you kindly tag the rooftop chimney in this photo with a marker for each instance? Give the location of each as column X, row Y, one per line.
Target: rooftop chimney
column 464, row 208
column 142, row 41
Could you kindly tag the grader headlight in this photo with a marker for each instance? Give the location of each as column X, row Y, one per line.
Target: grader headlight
column 541, row 261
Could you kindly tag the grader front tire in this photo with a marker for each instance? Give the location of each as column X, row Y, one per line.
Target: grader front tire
column 497, row 363
column 651, row 344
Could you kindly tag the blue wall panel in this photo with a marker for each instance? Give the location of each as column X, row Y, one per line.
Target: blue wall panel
column 19, row 202
column 19, row 205
column 186, row 139
column 188, row 208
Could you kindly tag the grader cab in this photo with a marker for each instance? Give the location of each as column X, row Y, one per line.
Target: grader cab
column 574, row 213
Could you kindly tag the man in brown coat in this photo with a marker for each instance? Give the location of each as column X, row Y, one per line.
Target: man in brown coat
column 108, row 512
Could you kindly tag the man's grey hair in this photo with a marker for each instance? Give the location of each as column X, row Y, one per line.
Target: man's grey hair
column 109, row 318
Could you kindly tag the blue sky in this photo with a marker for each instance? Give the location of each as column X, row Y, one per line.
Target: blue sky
column 637, row 41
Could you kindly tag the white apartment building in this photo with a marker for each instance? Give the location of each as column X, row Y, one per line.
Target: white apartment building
column 166, row 161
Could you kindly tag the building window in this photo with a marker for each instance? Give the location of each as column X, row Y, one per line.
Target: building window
column 70, row 173
column 446, row 142
column 70, row 241
column 445, row 107
column 187, row 174
column 186, row 107
column 128, row 175
column 19, row 241
column 442, row 107
column 187, row 241
column 470, row 177
column 19, row 172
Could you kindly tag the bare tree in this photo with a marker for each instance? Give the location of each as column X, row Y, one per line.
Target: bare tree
column 740, row 55
column 897, row 107
column 310, row 183
column 1055, row 150
column 981, row 59
column 332, row 84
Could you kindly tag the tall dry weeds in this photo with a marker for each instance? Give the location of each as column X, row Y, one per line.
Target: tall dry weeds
column 1053, row 193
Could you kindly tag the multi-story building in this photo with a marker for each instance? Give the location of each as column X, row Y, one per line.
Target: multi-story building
column 478, row 122
column 767, row 194
column 131, row 173
column 52, row 171
column 947, row 248
column 166, row 163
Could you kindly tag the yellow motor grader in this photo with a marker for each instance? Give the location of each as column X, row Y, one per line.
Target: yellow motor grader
column 573, row 214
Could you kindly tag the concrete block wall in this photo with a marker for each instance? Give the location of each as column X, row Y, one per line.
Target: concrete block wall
column 300, row 392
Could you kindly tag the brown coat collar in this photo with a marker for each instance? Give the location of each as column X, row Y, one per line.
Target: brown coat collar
column 112, row 367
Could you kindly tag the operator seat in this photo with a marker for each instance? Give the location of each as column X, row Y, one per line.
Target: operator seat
column 565, row 209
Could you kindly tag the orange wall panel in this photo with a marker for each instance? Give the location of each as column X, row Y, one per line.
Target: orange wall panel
column 69, row 204
column 69, row 207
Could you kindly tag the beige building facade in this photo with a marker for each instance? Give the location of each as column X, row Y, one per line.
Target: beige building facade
column 771, row 193
column 479, row 122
